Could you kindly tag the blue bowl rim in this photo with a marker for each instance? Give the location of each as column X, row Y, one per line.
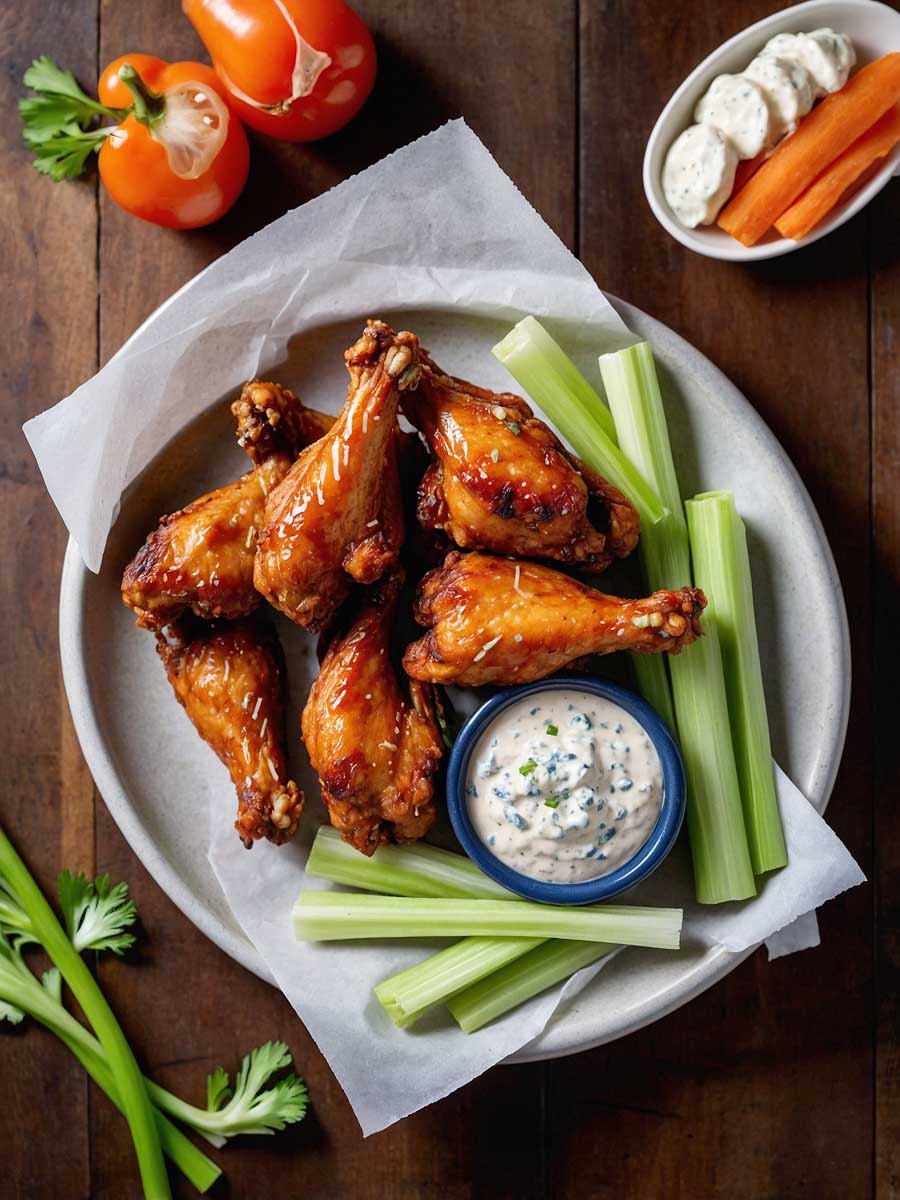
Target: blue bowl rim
column 632, row 872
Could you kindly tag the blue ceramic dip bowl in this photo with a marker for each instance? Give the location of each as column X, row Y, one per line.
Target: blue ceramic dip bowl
column 642, row 863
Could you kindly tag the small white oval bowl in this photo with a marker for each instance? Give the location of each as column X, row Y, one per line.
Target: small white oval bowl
column 874, row 29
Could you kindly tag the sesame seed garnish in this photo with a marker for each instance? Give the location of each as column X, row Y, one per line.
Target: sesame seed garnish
column 371, row 524
column 264, row 727
column 387, row 745
column 257, row 707
column 484, row 649
column 334, row 461
column 248, row 696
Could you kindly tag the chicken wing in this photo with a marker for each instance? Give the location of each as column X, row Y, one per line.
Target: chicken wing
column 498, row 621
column 372, row 740
column 503, row 482
column 326, row 523
column 201, row 557
column 229, row 677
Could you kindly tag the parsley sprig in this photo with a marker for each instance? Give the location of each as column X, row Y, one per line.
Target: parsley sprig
column 60, row 120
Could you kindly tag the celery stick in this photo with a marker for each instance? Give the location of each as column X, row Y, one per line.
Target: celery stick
column 409, row 994
column 653, row 684
column 722, row 867
column 335, row 916
column 420, row 870
column 495, row 995
column 33, row 999
column 416, row 870
column 557, row 387
column 541, row 362
column 136, row 1105
column 722, row 569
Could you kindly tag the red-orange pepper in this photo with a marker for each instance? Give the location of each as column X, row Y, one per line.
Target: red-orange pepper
column 180, row 157
column 295, row 69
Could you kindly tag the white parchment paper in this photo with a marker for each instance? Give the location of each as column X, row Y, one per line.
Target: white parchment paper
column 436, row 224
column 388, row 1072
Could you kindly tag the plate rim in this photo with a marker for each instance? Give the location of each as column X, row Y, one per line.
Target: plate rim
column 715, row 963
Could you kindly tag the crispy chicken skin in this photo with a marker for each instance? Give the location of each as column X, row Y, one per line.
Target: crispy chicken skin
column 229, row 677
column 371, row 733
column 337, row 515
column 201, row 557
column 503, row 482
column 498, row 621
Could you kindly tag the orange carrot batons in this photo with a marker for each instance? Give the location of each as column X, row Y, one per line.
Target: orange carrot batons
column 820, row 138
column 819, row 199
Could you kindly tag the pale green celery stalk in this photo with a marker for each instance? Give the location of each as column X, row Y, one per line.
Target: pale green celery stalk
column 422, row 870
column 136, row 1104
column 722, row 569
column 722, row 867
column 411, row 993
column 653, row 684
column 416, row 870
column 335, row 916
column 34, row 1000
column 556, row 386
column 545, row 966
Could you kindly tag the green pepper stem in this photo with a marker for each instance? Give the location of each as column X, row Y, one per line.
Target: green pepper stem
column 149, row 107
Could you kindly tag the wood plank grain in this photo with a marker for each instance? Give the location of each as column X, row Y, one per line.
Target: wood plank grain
column 186, row 1006
column 885, row 241
column 48, row 317
column 750, row 1090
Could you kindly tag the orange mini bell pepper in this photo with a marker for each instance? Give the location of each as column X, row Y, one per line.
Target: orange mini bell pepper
column 175, row 153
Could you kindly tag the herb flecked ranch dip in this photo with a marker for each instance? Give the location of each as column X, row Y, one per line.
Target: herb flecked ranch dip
column 564, row 786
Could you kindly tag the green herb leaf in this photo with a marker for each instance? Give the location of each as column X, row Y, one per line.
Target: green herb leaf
column 58, row 120
column 527, row 767
column 218, row 1089
column 65, row 154
column 9, row 1012
column 254, row 1108
column 51, row 981
column 552, row 730
column 96, row 913
column 514, row 427
column 552, row 802
column 48, row 79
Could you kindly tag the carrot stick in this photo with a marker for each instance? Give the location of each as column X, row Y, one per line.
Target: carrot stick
column 817, row 201
column 746, row 169
column 801, row 158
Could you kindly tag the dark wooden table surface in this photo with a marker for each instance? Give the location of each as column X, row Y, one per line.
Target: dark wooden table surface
column 780, row 1082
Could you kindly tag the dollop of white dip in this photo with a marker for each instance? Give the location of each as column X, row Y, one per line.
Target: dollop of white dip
column 564, row 786
column 787, row 87
column 827, row 56
column 736, row 106
column 698, row 174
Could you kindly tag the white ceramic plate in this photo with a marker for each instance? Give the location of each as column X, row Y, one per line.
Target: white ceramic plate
column 874, row 29
column 143, row 753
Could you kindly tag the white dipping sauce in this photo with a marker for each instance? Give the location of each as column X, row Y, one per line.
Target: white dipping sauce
column 564, row 786
column 698, row 175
